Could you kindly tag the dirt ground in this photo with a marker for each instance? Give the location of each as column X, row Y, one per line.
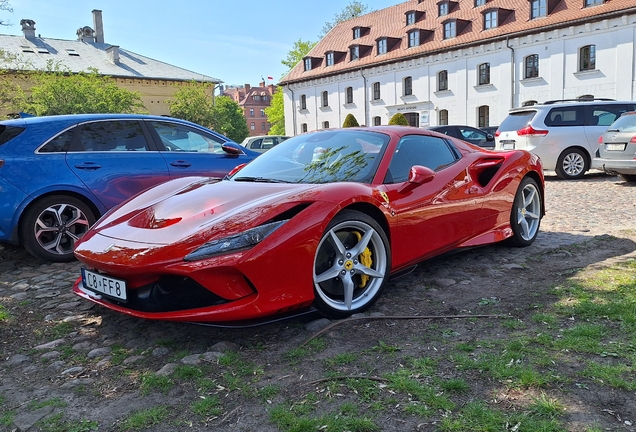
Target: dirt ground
column 58, row 348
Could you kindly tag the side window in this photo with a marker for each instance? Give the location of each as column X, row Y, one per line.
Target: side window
column 122, row 135
column 604, row 115
column 176, row 137
column 431, row 152
column 59, row 144
column 565, row 116
column 472, row 135
column 256, row 144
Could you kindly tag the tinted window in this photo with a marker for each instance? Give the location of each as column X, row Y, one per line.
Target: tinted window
column 566, row 116
column 517, row 120
column 59, row 144
column 7, row 133
column 604, row 115
column 120, row 135
column 427, row 151
column 177, row 137
column 626, row 123
column 256, row 144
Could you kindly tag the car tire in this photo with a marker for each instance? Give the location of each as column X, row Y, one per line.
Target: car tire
column 629, row 177
column 50, row 227
column 572, row 164
column 351, row 265
column 525, row 216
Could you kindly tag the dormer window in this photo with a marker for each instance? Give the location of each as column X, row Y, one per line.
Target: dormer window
column 414, row 38
column 490, row 19
column 329, row 59
column 311, row 62
column 354, row 52
column 593, row 2
column 454, row 27
column 357, row 33
column 382, row 46
column 307, row 64
column 480, row 2
column 445, row 7
column 538, row 8
column 413, row 17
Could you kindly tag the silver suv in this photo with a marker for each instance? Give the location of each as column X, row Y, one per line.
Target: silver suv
column 564, row 133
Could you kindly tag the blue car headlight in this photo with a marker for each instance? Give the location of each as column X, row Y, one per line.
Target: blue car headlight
column 244, row 240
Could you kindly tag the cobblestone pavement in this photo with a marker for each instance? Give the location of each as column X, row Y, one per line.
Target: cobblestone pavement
column 590, row 207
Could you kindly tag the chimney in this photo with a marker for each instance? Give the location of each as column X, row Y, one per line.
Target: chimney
column 261, row 84
column 28, row 28
column 247, row 88
column 272, row 89
column 99, row 26
column 113, row 54
column 85, row 34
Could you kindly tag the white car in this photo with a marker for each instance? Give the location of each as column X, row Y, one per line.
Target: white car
column 564, row 134
column 262, row 143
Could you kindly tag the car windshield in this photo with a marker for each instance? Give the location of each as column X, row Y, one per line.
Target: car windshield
column 319, row 157
column 625, row 123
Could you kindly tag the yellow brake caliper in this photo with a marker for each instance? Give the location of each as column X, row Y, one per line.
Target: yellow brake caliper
column 365, row 259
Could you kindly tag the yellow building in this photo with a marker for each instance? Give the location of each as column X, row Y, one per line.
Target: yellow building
column 154, row 80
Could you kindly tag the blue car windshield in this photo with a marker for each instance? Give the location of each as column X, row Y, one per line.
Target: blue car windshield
column 329, row 156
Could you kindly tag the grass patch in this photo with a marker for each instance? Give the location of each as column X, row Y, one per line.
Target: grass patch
column 4, row 314
column 151, row 382
column 54, row 402
column 145, row 418
column 55, row 423
column 345, row 419
column 295, row 355
column 207, row 406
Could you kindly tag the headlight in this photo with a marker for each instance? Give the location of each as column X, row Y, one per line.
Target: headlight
column 233, row 243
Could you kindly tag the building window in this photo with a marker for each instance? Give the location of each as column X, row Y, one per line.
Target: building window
column 329, row 59
column 532, row 66
column 355, row 52
column 538, row 8
column 303, row 128
column 325, row 99
column 262, row 126
column 262, row 113
column 377, row 121
column 307, row 64
column 265, row 98
column 382, row 46
column 349, row 95
column 484, row 73
column 443, row 9
column 442, row 80
column 414, row 38
column 587, row 58
column 490, row 20
column 252, row 126
column 450, row 29
column 483, row 118
column 480, row 2
column 251, row 112
column 325, row 125
column 410, row 18
column 357, row 32
column 256, row 97
column 303, row 102
column 408, row 86
column 376, row 91
column 443, row 117
column 593, row 2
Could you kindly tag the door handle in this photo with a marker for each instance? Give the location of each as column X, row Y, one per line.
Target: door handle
column 89, row 166
column 180, row 164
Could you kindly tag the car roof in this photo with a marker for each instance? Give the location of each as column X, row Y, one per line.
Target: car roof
column 567, row 103
column 72, row 118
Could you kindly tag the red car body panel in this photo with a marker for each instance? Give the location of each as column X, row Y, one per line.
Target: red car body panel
column 149, row 235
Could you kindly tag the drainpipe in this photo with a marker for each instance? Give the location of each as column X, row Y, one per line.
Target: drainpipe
column 512, row 73
column 366, row 99
column 293, row 100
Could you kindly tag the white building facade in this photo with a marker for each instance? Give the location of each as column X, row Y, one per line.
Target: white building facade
column 475, row 83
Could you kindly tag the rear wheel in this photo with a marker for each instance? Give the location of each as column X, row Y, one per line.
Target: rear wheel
column 51, row 226
column 351, row 266
column 525, row 216
column 629, row 177
column 572, row 164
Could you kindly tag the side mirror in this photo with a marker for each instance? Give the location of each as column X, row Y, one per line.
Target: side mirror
column 231, row 150
column 418, row 176
column 489, row 138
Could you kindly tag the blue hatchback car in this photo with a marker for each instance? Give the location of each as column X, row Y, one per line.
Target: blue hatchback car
column 59, row 174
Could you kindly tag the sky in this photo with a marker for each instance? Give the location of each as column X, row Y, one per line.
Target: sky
column 236, row 41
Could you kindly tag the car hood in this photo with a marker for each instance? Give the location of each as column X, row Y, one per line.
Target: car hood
column 199, row 209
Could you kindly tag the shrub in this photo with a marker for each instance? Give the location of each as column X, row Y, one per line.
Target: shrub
column 399, row 119
column 350, row 121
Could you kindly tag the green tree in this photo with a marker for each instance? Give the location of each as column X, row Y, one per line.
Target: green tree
column 350, row 121
column 275, row 113
column 229, row 120
column 60, row 92
column 352, row 10
column 12, row 97
column 399, row 119
column 194, row 103
column 295, row 55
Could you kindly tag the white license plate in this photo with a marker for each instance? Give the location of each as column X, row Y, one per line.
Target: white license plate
column 509, row 146
column 614, row 147
column 107, row 285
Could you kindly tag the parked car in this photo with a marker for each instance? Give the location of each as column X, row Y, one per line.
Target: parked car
column 616, row 153
column 262, row 143
column 492, row 130
column 469, row 134
column 564, row 134
column 323, row 218
column 59, row 174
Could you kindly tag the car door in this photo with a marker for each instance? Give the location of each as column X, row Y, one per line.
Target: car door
column 193, row 152
column 434, row 216
column 115, row 160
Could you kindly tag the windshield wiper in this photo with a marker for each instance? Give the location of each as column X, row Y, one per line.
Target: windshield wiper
column 260, row 180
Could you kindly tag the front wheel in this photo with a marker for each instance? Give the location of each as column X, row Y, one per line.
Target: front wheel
column 572, row 164
column 351, row 266
column 525, row 216
column 51, row 226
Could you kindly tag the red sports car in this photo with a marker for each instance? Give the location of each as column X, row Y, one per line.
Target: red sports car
column 320, row 220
